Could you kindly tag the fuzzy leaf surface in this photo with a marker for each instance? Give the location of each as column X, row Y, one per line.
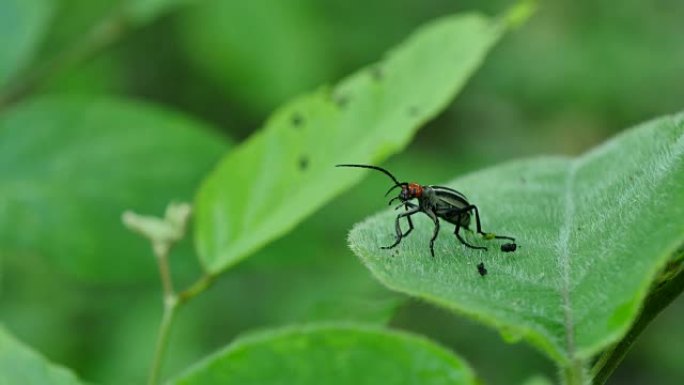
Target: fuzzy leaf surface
column 285, row 172
column 592, row 231
column 330, row 354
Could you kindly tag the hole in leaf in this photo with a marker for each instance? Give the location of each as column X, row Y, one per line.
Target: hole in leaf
column 376, row 72
column 303, row 162
column 340, row 100
column 297, row 120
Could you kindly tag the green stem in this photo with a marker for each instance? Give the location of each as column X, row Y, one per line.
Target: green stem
column 574, row 374
column 659, row 298
column 170, row 306
column 196, row 288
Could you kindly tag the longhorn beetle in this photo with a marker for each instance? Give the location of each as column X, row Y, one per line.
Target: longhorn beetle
column 436, row 202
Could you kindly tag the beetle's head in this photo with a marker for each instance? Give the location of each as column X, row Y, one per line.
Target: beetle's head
column 410, row 191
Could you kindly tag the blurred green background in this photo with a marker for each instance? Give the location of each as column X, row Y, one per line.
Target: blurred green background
column 577, row 73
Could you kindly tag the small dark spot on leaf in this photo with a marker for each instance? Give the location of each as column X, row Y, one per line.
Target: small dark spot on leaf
column 303, row 162
column 376, row 72
column 523, row 180
column 297, row 120
column 579, row 228
column 413, row 111
column 481, row 269
column 508, row 247
column 340, row 100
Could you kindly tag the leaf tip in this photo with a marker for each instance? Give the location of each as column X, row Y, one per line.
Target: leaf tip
column 518, row 14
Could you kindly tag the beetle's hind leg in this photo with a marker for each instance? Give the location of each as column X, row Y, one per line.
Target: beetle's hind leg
column 479, row 227
column 458, row 235
column 397, row 226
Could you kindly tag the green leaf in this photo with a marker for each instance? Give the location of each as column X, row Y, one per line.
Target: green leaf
column 593, row 232
column 285, row 172
column 69, row 167
column 23, row 24
column 330, row 354
column 19, row 364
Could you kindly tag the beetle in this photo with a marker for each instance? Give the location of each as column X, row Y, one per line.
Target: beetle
column 437, row 202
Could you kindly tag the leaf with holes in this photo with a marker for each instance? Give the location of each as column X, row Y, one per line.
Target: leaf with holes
column 330, row 354
column 593, row 232
column 285, row 172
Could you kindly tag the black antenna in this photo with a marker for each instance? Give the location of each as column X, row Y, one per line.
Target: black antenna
column 395, row 186
column 389, row 174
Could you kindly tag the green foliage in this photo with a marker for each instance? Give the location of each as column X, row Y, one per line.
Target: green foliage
column 592, row 232
column 285, row 172
column 21, row 365
column 564, row 82
column 330, row 354
column 238, row 43
column 71, row 166
column 23, row 24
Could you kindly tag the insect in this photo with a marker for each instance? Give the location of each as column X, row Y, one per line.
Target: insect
column 436, row 202
column 481, row 269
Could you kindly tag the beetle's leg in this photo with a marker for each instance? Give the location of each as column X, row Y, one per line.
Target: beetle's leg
column 398, row 227
column 479, row 226
column 408, row 218
column 407, row 205
column 456, row 232
column 434, row 218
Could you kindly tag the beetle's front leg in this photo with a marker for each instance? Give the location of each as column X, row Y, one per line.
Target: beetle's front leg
column 408, row 205
column 397, row 226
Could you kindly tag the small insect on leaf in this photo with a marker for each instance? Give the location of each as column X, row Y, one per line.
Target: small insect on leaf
column 481, row 269
column 508, row 247
column 437, row 202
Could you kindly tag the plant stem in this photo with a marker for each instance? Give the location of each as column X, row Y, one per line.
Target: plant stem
column 658, row 299
column 196, row 288
column 161, row 252
column 170, row 306
column 574, row 374
column 171, row 303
